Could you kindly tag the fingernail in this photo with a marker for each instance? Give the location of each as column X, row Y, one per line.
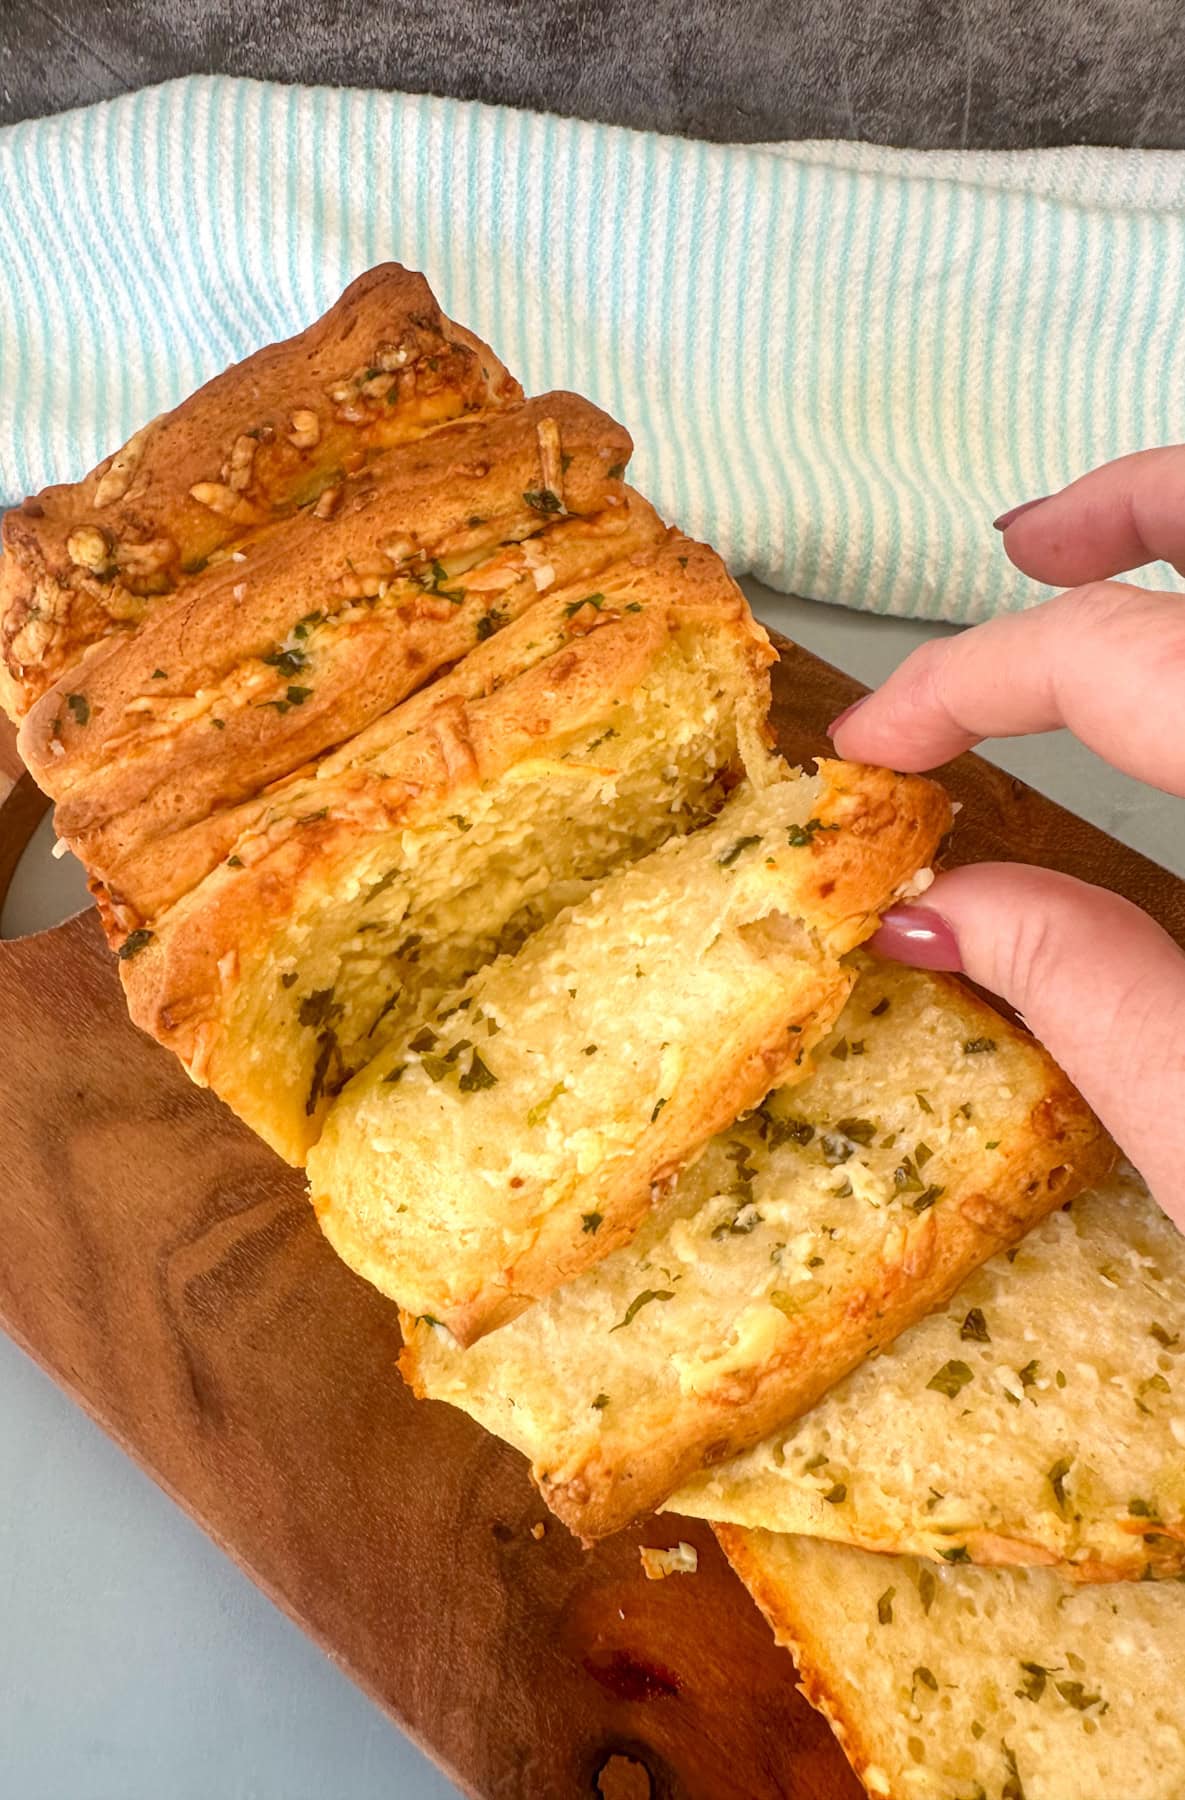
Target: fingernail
column 1014, row 512
column 843, row 717
column 918, row 937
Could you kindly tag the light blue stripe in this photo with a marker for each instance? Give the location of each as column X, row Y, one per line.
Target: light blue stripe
column 1168, row 422
column 346, row 171
column 912, row 489
column 421, row 253
column 259, row 327
column 944, row 495
column 370, row 136
column 599, row 279
column 800, row 465
column 701, row 494
column 1031, row 404
column 25, row 288
column 114, row 381
column 316, row 164
column 519, row 233
column 219, row 280
column 887, row 539
column 484, row 215
column 16, row 359
column 752, row 473
column 830, row 397
column 81, row 295
column 721, row 374
column 1156, row 286
column 448, row 243
column 1001, row 410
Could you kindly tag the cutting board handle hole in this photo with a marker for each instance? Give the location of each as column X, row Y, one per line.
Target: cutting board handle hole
column 37, row 889
column 624, row 1778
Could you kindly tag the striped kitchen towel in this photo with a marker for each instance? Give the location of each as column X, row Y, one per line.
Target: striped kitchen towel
column 838, row 362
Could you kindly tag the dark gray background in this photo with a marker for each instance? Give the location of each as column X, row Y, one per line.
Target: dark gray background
column 986, row 73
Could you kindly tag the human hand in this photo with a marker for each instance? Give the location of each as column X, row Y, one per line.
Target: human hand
column 1094, row 978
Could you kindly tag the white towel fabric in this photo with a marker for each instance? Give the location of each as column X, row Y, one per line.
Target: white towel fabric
column 838, row 362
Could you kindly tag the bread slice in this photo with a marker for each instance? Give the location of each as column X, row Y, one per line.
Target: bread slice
column 1036, row 1419
column 266, row 437
column 785, row 1255
column 979, row 1684
column 315, row 919
column 324, row 624
column 628, row 1031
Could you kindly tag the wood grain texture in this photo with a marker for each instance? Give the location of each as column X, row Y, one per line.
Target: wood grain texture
column 164, row 1267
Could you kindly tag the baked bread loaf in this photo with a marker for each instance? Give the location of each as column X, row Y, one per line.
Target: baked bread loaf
column 320, row 625
column 1036, row 1419
column 269, row 436
column 315, row 920
column 466, row 1174
column 806, row 1236
column 958, row 1683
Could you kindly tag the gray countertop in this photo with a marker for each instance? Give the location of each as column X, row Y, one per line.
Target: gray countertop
column 136, row 1663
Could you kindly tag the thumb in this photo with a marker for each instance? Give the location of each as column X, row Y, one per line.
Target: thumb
column 1093, row 977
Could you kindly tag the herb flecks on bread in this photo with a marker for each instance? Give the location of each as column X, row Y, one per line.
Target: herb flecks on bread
column 576, row 739
column 284, row 430
column 702, row 975
column 1037, row 1418
column 957, row 1683
column 807, row 1235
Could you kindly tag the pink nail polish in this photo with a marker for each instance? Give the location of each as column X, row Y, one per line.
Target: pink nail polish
column 1014, row 512
column 917, row 937
column 843, row 717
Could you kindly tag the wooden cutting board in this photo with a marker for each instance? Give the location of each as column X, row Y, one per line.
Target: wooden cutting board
column 164, row 1267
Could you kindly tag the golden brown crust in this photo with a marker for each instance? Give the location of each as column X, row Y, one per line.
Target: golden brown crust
column 265, row 437
column 269, row 662
column 876, row 829
column 1063, row 1150
column 549, row 672
column 562, row 1247
column 809, row 1652
column 361, row 781
column 869, row 1634
column 999, row 1550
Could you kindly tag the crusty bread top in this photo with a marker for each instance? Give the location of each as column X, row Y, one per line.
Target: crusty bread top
column 564, row 659
column 267, row 436
column 805, row 1236
column 585, row 732
column 956, row 1683
column 328, row 679
column 324, row 625
column 1036, row 1419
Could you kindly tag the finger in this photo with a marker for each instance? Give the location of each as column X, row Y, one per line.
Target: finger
column 1094, row 978
column 1129, row 512
column 1108, row 662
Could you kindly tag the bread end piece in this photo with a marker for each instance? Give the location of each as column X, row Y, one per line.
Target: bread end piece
column 88, row 559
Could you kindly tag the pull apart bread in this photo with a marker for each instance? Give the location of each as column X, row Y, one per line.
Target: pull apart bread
column 288, row 938
column 501, row 1145
column 322, row 624
column 925, row 1134
column 979, row 1684
column 424, row 781
column 1037, row 1419
column 286, row 429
